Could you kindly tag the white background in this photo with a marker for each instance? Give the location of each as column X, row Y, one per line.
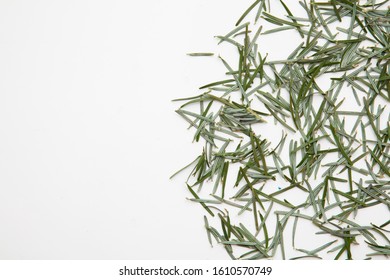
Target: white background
column 88, row 134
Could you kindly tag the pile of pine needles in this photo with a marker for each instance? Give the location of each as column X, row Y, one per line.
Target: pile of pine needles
column 330, row 164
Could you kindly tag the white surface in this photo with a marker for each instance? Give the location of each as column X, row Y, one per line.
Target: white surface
column 88, row 135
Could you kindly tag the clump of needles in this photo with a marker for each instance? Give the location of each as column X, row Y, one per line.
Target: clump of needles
column 295, row 158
